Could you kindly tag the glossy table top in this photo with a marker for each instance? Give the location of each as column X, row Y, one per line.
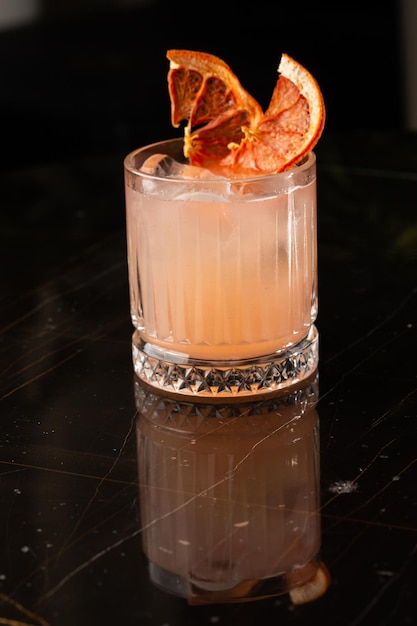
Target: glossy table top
column 74, row 507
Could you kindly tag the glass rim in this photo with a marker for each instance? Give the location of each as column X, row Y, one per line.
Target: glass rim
column 307, row 162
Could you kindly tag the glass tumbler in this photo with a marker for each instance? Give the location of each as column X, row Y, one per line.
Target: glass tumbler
column 222, row 276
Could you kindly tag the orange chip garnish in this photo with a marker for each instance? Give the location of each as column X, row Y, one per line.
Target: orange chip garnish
column 227, row 131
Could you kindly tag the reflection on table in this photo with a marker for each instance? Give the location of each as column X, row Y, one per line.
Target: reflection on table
column 230, row 496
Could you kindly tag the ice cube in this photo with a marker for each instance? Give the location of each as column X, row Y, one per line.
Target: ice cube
column 164, row 166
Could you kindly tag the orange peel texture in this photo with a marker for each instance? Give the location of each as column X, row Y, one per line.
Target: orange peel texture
column 226, row 129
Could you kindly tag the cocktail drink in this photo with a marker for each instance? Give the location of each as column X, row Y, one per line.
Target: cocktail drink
column 222, row 265
column 222, row 274
column 230, row 505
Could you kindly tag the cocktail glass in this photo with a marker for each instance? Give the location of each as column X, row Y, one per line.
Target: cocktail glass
column 222, row 275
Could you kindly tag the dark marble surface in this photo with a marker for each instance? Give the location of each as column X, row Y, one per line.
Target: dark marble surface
column 72, row 494
column 71, row 527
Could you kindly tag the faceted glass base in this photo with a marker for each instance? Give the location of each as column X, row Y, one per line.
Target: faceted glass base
column 176, row 374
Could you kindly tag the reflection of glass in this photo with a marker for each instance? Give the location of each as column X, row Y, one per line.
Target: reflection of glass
column 222, row 277
column 230, row 496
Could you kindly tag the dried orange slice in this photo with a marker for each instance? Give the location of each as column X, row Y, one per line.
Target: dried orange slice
column 205, row 92
column 227, row 131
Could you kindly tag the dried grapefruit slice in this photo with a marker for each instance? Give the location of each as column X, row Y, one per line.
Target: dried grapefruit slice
column 227, row 131
column 206, row 93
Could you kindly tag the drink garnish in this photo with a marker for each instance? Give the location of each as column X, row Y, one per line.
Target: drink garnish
column 226, row 129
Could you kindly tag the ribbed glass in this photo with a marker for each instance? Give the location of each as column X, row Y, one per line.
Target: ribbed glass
column 221, row 270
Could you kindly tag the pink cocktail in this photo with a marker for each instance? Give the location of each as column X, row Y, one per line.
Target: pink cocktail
column 223, row 276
